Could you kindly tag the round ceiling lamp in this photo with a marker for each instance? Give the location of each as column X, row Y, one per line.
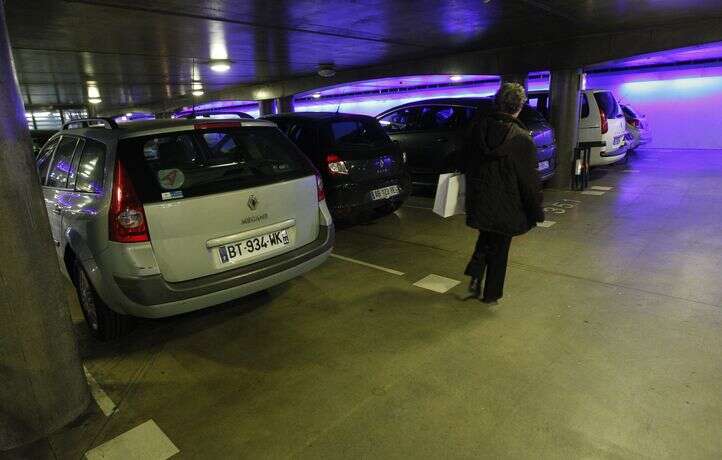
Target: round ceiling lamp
column 220, row 65
column 327, row 70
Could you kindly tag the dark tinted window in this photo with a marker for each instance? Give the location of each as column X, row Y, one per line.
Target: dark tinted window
column 366, row 131
column 61, row 167
column 585, row 106
column 44, row 158
column 629, row 112
column 182, row 165
column 607, row 103
column 400, row 120
column 91, row 168
column 304, row 137
column 529, row 116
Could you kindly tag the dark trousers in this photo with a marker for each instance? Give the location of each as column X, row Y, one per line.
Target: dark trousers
column 490, row 256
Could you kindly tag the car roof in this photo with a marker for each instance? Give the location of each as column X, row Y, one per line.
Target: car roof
column 317, row 116
column 466, row 101
column 149, row 127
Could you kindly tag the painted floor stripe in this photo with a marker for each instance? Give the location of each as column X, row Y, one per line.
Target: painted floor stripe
column 144, row 442
column 603, row 189
column 437, row 283
column 417, row 207
column 593, row 192
column 366, row 264
column 630, row 170
column 101, row 398
column 546, row 224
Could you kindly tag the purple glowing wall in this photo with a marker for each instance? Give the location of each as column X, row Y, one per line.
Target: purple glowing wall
column 683, row 107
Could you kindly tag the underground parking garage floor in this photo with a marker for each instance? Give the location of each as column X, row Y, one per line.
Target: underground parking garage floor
column 607, row 343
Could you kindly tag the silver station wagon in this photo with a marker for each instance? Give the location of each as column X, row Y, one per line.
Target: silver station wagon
column 163, row 217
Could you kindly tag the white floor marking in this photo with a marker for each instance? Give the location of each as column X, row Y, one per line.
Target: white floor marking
column 599, row 187
column 630, row 170
column 144, row 442
column 104, row 402
column 366, row 264
column 546, row 224
column 593, row 192
column 417, row 207
column 436, row 283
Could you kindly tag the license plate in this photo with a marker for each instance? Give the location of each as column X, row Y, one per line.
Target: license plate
column 230, row 253
column 543, row 165
column 386, row 192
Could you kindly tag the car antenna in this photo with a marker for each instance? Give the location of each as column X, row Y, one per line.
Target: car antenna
column 338, row 108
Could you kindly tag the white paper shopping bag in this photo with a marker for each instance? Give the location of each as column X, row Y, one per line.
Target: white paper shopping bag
column 450, row 195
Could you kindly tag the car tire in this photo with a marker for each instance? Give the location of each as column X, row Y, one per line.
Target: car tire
column 104, row 324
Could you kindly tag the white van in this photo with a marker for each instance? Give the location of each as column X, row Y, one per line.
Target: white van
column 601, row 121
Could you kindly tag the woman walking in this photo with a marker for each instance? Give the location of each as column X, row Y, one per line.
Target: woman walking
column 504, row 196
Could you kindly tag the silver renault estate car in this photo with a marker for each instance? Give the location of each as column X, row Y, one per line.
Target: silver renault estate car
column 158, row 218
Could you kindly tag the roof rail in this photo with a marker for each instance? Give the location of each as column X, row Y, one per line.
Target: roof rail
column 206, row 113
column 108, row 123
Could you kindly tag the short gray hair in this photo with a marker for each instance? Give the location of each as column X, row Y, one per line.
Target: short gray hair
column 510, row 98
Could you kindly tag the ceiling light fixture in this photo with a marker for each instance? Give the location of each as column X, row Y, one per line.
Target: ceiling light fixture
column 198, row 92
column 316, row 95
column 455, row 78
column 95, row 100
column 327, row 70
column 220, row 65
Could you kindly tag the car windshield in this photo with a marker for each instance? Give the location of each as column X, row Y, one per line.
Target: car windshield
column 187, row 164
column 358, row 132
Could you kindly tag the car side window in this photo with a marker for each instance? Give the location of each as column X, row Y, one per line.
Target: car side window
column 304, row 138
column 61, row 166
column 438, row 118
column 45, row 157
column 91, row 167
column 401, row 120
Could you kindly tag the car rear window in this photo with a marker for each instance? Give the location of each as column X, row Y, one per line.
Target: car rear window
column 629, row 112
column 198, row 163
column 358, row 132
column 607, row 103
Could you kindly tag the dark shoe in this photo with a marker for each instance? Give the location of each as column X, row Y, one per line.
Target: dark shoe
column 490, row 301
column 475, row 287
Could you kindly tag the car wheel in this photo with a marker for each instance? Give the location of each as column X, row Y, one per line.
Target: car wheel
column 104, row 323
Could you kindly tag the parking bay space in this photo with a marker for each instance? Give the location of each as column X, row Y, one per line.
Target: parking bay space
column 353, row 357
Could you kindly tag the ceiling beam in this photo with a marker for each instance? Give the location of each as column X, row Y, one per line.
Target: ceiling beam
column 577, row 52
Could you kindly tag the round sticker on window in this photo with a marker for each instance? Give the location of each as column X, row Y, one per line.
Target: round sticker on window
column 171, row 179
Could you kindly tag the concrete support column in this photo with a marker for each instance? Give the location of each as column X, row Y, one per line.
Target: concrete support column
column 284, row 104
column 521, row 78
column 266, row 107
column 565, row 91
column 42, row 385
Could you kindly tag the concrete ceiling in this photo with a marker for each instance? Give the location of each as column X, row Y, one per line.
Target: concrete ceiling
column 138, row 53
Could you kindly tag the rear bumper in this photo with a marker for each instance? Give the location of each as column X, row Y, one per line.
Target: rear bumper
column 153, row 297
column 350, row 198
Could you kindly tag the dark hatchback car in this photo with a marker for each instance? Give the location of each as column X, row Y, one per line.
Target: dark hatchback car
column 432, row 133
column 363, row 170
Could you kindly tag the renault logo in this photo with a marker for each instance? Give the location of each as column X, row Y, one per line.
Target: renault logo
column 252, row 202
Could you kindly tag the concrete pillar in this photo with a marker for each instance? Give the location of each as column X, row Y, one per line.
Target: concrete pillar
column 42, row 385
column 284, row 104
column 266, row 107
column 565, row 87
column 521, row 78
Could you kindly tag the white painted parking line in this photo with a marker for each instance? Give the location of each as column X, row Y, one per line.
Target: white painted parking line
column 101, row 398
column 546, row 224
column 593, row 192
column 417, row 207
column 437, row 283
column 144, row 442
column 366, row 264
column 601, row 188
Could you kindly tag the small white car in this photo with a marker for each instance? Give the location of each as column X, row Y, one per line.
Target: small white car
column 601, row 122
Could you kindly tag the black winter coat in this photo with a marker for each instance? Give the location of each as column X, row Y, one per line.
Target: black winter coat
column 503, row 190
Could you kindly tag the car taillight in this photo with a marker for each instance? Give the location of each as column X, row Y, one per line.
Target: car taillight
column 319, row 188
column 605, row 122
column 127, row 223
column 336, row 166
